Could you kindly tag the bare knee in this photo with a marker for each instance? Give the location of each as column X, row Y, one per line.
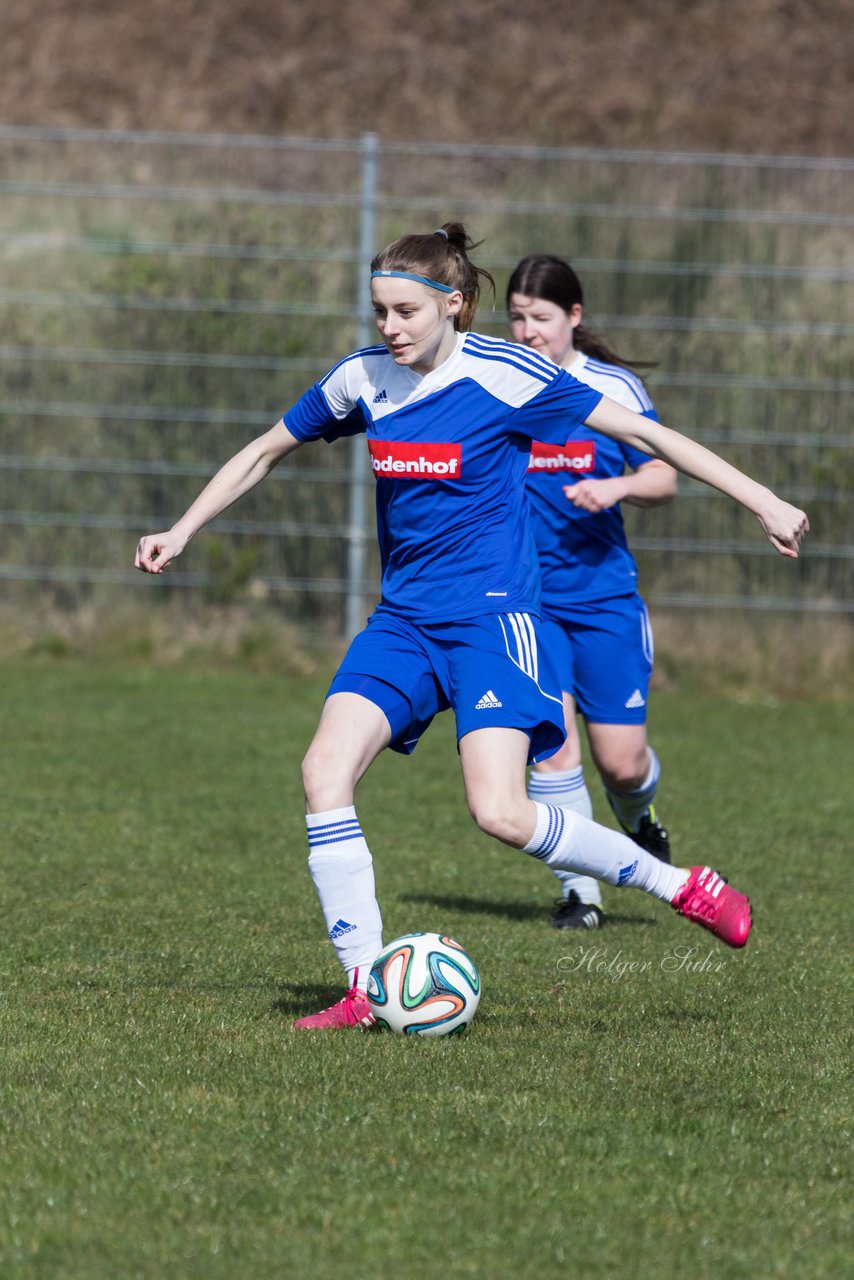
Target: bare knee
column 624, row 770
column 351, row 734
column 325, row 783
column 564, row 760
column 493, row 763
column 506, row 819
column 621, row 754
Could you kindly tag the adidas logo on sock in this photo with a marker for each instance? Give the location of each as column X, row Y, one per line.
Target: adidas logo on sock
column 625, row 872
column 488, row 702
column 340, row 928
column 381, row 397
column 636, row 700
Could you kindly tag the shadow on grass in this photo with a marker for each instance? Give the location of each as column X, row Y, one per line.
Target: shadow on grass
column 690, row 1015
column 647, row 921
column 507, row 910
column 298, row 998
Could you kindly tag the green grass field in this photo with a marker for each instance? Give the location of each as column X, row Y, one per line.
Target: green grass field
column 641, row 1102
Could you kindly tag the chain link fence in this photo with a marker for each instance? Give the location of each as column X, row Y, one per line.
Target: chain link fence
column 165, row 297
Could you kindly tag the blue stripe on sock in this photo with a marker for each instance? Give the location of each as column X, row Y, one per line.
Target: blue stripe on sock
column 559, row 823
column 554, row 832
column 545, row 788
column 334, row 832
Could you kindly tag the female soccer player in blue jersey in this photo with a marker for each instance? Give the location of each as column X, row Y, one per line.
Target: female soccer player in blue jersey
column 595, row 621
column 449, row 417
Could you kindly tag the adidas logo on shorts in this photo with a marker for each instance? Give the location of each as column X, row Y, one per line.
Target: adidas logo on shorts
column 636, row 700
column 488, row 702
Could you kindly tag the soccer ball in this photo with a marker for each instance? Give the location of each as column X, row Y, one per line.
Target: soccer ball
column 424, row 984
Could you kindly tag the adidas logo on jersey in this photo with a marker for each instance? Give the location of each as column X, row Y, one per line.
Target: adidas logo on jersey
column 380, row 397
column 488, row 702
column 340, row 928
column 636, row 700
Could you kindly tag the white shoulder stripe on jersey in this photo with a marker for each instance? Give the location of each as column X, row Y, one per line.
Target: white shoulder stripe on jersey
column 628, row 379
column 354, row 355
column 498, row 357
column 514, row 350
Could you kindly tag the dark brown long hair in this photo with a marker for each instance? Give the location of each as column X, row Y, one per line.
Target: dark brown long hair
column 442, row 256
column 544, row 275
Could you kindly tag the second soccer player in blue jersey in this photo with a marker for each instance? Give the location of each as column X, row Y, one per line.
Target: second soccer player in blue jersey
column 595, row 622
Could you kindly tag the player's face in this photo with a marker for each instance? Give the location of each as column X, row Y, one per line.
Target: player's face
column 415, row 322
column 544, row 326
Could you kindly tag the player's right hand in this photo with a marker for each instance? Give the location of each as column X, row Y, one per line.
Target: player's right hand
column 157, row 550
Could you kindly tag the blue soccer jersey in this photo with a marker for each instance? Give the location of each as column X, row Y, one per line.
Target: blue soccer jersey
column 450, row 450
column 584, row 555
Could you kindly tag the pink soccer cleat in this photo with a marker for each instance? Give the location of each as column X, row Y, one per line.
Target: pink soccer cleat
column 708, row 900
column 353, row 1011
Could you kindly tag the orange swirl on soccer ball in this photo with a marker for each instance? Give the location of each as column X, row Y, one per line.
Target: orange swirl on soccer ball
column 444, row 998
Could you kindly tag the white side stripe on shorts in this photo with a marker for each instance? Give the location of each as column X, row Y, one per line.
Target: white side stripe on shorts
column 525, row 643
column 646, row 636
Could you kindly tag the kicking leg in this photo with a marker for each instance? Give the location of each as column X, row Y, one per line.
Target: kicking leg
column 493, row 763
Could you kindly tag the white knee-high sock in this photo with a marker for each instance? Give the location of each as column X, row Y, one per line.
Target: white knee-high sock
column 569, row 790
column 565, row 839
column 342, row 870
column 630, row 806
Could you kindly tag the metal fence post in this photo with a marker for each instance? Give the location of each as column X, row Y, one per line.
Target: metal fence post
column 357, row 533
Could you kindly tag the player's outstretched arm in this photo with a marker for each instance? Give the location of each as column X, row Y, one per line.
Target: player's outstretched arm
column 240, row 474
column 784, row 525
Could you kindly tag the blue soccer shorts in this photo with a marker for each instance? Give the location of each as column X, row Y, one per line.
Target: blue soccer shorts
column 604, row 653
column 492, row 671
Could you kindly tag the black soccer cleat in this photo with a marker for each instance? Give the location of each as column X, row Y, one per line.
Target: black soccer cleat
column 572, row 913
column 651, row 836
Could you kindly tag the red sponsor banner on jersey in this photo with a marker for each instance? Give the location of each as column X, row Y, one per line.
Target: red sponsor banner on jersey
column 411, row 460
column 575, row 455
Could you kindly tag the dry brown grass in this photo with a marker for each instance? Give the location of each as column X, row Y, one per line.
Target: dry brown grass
column 208, row 636
column 757, row 657
column 772, row 76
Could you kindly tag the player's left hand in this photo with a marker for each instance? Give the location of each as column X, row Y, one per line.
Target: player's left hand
column 785, row 526
column 157, row 550
column 595, row 495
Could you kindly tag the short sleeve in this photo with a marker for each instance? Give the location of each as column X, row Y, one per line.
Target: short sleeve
column 312, row 418
column 565, row 403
